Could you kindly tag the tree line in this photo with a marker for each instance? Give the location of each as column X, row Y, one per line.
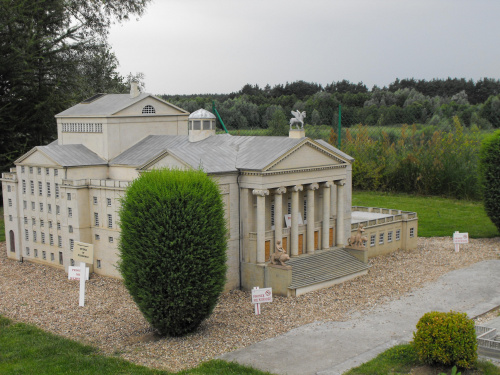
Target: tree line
column 407, row 101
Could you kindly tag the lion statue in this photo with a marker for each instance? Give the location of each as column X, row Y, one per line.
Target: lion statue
column 357, row 239
column 279, row 255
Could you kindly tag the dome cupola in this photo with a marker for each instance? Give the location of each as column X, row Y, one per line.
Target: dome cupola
column 201, row 125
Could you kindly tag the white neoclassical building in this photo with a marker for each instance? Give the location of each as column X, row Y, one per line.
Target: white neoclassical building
column 293, row 189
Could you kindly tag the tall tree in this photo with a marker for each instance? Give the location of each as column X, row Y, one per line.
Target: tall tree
column 53, row 53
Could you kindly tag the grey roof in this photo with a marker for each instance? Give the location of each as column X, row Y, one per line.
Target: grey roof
column 215, row 154
column 201, row 113
column 71, row 155
column 107, row 105
column 334, row 149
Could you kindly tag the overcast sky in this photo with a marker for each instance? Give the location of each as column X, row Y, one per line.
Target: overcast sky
column 217, row 46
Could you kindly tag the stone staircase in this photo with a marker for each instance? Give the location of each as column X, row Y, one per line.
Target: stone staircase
column 323, row 269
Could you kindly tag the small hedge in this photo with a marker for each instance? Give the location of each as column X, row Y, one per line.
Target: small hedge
column 173, row 248
column 490, row 176
column 446, row 339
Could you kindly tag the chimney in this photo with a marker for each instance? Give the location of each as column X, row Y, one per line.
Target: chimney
column 134, row 90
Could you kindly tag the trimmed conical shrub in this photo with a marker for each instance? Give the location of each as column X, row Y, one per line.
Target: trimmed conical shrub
column 489, row 163
column 173, row 247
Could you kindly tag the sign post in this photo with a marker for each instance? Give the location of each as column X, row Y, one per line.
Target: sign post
column 261, row 296
column 84, row 253
column 459, row 238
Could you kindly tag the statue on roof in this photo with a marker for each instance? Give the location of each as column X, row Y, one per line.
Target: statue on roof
column 298, row 118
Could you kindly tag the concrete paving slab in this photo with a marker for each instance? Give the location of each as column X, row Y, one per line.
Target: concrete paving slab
column 330, row 348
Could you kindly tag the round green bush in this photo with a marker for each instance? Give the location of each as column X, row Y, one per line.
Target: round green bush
column 446, row 339
column 489, row 166
column 173, row 247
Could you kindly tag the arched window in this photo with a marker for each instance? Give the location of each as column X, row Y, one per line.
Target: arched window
column 148, row 109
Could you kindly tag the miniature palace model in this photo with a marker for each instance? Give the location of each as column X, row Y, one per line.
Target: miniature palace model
column 290, row 189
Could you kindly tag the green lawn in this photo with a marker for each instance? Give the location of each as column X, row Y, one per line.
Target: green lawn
column 437, row 217
column 28, row 350
column 400, row 359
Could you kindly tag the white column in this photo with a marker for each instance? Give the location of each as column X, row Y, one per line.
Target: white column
column 340, row 213
column 325, row 241
column 261, row 224
column 294, row 230
column 310, row 217
column 278, row 214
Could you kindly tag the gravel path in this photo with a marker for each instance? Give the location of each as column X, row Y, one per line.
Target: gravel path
column 43, row 296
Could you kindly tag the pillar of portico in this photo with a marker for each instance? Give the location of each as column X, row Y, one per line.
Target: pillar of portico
column 325, row 240
column 278, row 213
column 261, row 224
column 340, row 213
column 310, row 217
column 294, row 229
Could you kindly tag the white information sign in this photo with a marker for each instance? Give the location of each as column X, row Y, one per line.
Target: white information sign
column 74, row 273
column 459, row 238
column 262, row 295
column 288, row 220
column 83, row 252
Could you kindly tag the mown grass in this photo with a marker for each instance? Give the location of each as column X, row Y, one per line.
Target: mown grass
column 401, row 359
column 437, row 217
column 29, row 350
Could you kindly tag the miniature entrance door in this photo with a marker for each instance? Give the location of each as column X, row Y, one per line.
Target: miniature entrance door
column 268, row 250
column 301, row 243
column 12, row 241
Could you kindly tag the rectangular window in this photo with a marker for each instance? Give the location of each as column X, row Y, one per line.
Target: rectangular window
column 70, row 228
column 305, row 209
column 381, row 238
column 43, row 237
column 40, row 189
column 41, row 207
column 98, row 263
column 59, row 241
column 50, row 223
column 48, row 189
column 24, row 186
column 60, row 257
column 10, row 217
column 47, row 171
column 109, row 202
column 58, row 210
column 44, row 254
column 110, row 239
column 36, row 253
column 71, row 244
column 32, row 187
column 28, row 251
column 97, row 237
column 372, row 240
column 25, row 220
column 58, row 225
column 57, row 190
column 10, row 202
column 33, row 206
column 72, row 262
column 22, row 169
column 26, row 235
column 42, row 223
column 56, row 172
column 389, row 236
column 49, row 208
column 398, row 234
column 70, row 212
column 110, row 221
column 34, row 236
column 95, row 200
column 69, row 196
column 52, row 257
column 96, row 219
column 31, row 170
column 25, row 205
column 39, row 170
column 8, row 188
column 289, row 208
column 33, row 221
column 51, row 239
column 412, row 232
column 272, row 214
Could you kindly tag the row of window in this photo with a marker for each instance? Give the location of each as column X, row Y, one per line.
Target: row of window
column 381, row 236
column 108, row 201
column 44, row 255
column 49, row 208
column 79, row 127
column 39, row 170
column 96, row 220
column 42, row 224
column 40, row 189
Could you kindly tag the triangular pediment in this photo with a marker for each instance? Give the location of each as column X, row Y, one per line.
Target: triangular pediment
column 36, row 157
column 306, row 155
column 166, row 160
column 161, row 107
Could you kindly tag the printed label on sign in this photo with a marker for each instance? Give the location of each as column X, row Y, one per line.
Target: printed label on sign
column 74, row 273
column 460, row 237
column 262, row 295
